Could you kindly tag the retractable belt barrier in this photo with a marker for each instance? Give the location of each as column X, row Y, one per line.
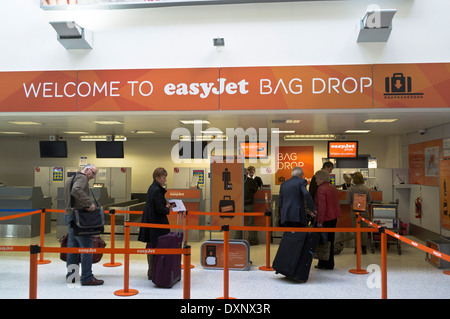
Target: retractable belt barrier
column 186, row 250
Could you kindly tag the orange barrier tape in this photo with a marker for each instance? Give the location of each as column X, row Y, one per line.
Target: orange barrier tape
column 225, row 214
column 409, row 241
column 14, row 248
column 147, row 251
column 20, row 215
column 256, row 228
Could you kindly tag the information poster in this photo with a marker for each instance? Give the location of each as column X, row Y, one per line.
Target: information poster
column 445, row 184
column 58, row 174
column 227, row 176
column 293, row 156
column 424, row 162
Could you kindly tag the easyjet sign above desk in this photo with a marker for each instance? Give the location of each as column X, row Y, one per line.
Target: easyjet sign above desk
column 241, row 88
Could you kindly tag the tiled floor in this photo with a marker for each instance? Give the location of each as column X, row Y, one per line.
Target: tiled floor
column 409, row 277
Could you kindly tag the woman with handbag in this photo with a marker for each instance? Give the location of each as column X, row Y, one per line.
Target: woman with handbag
column 155, row 212
column 328, row 211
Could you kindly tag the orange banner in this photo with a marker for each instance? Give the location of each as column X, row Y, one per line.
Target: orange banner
column 235, row 88
column 411, row 85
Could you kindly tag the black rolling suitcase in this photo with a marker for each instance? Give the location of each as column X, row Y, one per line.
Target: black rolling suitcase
column 295, row 255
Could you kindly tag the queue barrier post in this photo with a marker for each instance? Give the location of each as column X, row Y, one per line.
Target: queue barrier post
column 34, row 251
column 383, row 263
column 126, row 291
column 42, row 261
column 185, row 231
column 112, row 262
column 358, row 270
column 187, row 273
column 226, row 267
column 267, row 267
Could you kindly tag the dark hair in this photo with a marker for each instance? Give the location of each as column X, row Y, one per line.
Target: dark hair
column 328, row 164
column 158, row 172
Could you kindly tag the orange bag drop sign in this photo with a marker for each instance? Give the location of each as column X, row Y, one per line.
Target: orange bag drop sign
column 293, row 156
column 359, row 202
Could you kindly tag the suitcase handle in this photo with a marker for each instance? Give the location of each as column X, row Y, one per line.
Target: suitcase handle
column 227, row 196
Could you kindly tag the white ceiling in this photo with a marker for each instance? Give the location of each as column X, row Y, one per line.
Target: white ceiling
column 163, row 123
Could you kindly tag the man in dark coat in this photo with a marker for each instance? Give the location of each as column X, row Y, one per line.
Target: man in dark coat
column 293, row 194
column 155, row 212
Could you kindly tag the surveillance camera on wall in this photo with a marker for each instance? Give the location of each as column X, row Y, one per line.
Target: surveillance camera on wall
column 422, row 131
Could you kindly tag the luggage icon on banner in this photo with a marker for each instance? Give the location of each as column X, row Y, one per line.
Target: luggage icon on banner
column 399, row 86
column 398, row 83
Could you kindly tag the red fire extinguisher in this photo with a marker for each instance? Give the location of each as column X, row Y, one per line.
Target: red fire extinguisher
column 418, row 203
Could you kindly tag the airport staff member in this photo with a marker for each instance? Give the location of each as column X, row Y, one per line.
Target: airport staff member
column 293, row 194
column 80, row 193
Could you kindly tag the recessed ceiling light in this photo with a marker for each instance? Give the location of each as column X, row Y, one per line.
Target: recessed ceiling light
column 12, row 133
column 195, row 122
column 108, row 122
column 282, row 132
column 142, row 132
column 357, row 131
column 286, row 121
column 25, row 123
column 75, row 132
column 380, row 120
column 211, row 132
column 317, row 137
column 93, row 138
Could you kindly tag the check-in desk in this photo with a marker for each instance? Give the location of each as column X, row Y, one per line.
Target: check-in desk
column 101, row 195
column 345, row 220
column 24, row 199
column 193, row 201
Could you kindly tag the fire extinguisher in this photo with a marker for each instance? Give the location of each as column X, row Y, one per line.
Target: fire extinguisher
column 418, row 203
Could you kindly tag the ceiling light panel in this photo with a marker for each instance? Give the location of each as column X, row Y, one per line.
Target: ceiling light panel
column 25, row 123
column 380, row 120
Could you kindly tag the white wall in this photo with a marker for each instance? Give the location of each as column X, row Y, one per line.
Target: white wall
column 430, row 194
column 293, row 33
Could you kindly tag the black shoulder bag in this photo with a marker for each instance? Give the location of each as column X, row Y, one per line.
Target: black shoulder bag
column 87, row 223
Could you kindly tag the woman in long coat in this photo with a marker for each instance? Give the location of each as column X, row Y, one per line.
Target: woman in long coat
column 155, row 212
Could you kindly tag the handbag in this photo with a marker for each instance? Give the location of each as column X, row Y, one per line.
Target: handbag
column 323, row 247
column 98, row 243
column 322, row 251
column 87, row 223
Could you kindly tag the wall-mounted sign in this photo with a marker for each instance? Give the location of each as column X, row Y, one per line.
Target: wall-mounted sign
column 347, row 149
column 239, row 88
column 293, row 156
